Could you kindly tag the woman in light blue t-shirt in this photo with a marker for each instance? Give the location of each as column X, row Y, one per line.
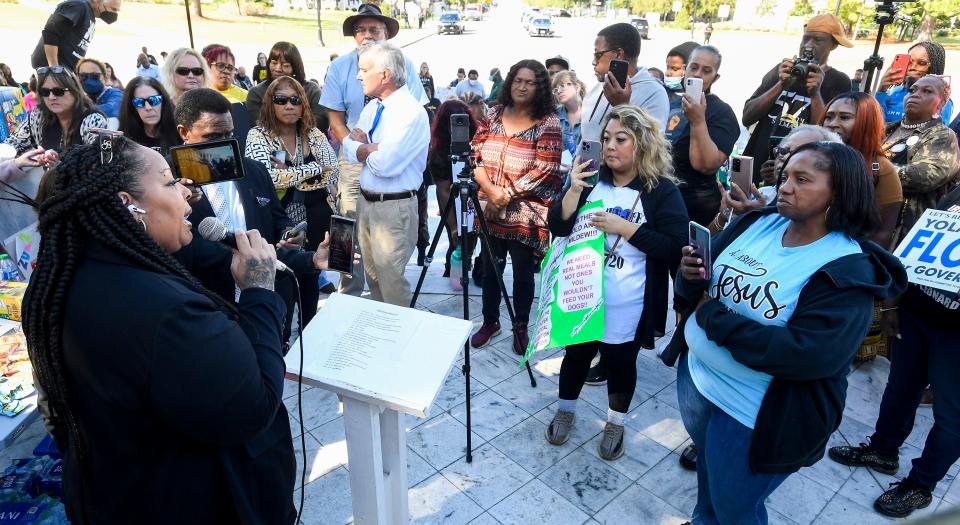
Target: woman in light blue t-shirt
column 771, row 331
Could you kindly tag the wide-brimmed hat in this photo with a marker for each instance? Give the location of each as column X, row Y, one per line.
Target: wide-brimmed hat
column 371, row 11
column 829, row 24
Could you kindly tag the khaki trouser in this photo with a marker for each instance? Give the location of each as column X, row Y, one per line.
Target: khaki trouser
column 348, row 186
column 388, row 235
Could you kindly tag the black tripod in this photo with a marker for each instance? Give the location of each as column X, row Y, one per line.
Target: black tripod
column 466, row 187
column 886, row 15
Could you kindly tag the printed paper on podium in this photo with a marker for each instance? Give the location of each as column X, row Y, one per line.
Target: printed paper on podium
column 380, row 353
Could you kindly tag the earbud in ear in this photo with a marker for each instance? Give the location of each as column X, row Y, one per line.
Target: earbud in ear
column 133, row 208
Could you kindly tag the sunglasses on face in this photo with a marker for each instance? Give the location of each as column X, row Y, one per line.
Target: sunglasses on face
column 282, row 100
column 195, row 71
column 52, row 69
column 154, row 101
column 224, row 67
column 94, row 76
column 58, row 91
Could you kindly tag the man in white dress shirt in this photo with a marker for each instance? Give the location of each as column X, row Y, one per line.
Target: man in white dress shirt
column 390, row 141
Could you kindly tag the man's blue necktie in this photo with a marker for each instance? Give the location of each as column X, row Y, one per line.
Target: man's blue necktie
column 376, row 120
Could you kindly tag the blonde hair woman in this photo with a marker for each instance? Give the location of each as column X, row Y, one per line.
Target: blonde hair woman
column 568, row 92
column 646, row 228
column 184, row 69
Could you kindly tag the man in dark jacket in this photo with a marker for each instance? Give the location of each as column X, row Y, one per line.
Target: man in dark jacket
column 69, row 30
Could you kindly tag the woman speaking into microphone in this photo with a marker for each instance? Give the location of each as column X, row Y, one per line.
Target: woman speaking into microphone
column 164, row 398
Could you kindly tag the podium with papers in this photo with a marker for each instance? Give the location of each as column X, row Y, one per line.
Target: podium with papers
column 381, row 360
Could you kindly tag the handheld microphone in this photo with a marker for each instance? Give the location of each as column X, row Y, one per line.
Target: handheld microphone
column 213, row 229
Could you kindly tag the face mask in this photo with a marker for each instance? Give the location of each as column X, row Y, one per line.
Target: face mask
column 92, row 86
column 673, row 83
column 109, row 17
column 490, row 78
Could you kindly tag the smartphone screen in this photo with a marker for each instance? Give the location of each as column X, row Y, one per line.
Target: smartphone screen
column 619, row 70
column 590, row 150
column 208, row 162
column 694, row 88
column 281, row 156
column 700, row 240
column 741, row 172
column 343, row 238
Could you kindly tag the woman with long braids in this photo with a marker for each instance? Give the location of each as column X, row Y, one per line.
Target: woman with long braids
column 164, row 398
column 926, row 58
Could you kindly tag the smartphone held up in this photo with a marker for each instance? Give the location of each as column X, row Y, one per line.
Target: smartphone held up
column 700, row 241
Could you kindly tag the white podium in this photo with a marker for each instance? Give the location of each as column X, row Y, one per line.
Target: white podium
column 381, row 360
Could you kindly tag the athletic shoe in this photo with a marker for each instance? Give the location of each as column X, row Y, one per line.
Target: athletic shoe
column 484, row 334
column 597, row 375
column 611, row 446
column 328, row 288
column 902, row 498
column 688, row 459
column 864, row 456
column 520, row 340
column 558, row 431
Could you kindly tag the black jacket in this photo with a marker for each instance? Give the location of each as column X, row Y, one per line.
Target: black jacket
column 661, row 238
column 180, row 405
column 809, row 358
column 262, row 211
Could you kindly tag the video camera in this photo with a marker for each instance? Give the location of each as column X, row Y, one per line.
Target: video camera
column 460, row 148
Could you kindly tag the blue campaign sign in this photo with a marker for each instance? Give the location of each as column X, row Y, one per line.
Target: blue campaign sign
column 931, row 251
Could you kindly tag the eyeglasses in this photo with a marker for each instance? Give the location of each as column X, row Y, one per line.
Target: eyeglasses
column 224, row 67
column 563, row 86
column 58, row 91
column 598, row 54
column 781, row 151
column 52, row 69
column 282, row 100
column 184, row 71
column 154, row 101
column 371, row 30
column 94, row 76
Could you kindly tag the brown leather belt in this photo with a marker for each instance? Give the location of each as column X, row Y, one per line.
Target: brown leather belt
column 380, row 197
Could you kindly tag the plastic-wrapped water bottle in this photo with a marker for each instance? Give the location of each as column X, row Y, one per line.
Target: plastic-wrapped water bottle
column 8, row 270
column 456, row 269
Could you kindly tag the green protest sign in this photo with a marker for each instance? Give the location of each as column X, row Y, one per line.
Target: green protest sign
column 570, row 309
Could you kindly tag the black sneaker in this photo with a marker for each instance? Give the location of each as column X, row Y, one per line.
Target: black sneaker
column 902, row 498
column 597, row 375
column 864, row 456
column 688, row 459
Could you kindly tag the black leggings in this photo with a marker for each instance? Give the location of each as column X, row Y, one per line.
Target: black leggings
column 621, row 361
column 522, row 256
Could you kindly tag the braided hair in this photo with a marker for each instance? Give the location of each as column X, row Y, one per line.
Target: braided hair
column 936, row 54
column 84, row 206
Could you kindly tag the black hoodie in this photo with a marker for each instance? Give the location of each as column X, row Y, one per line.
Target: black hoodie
column 809, row 358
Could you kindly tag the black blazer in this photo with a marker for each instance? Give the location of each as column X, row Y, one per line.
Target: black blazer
column 661, row 238
column 180, row 405
column 262, row 211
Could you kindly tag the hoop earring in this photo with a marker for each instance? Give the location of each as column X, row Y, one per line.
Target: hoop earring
column 826, row 216
column 142, row 223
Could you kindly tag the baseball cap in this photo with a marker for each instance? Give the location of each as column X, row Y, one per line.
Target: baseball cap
column 830, row 24
column 559, row 60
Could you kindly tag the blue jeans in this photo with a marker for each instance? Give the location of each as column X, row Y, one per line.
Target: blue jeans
column 727, row 491
column 926, row 354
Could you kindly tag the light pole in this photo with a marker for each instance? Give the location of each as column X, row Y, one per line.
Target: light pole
column 319, row 25
column 693, row 18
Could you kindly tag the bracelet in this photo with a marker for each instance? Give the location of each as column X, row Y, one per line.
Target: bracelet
column 716, row 222
column 891, row 309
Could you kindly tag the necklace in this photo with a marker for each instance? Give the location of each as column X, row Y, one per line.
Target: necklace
column 919, row 125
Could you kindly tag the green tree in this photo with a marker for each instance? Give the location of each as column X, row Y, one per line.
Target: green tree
column 801, row 8
column 766, row 7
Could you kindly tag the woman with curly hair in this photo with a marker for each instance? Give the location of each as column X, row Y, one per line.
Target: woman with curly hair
column 518, row 169
column 646, row 226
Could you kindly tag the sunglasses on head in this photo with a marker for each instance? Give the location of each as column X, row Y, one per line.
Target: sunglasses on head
column 154, row 101
column 52, row 69
column 184, row 71
column 58, row 91
column 282, row 100
column 94, row 76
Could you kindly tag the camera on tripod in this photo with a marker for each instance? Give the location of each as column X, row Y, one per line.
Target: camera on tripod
column 460, row 149
column 801, row 65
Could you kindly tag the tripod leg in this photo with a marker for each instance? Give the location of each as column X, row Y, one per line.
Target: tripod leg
column 433, row 248
column 488, row 254
column 463, row 192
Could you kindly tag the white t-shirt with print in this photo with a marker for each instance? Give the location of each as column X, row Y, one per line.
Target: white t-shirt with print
column 625, row 271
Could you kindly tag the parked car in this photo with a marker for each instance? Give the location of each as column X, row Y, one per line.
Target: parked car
column 527, row 16
column 472, row 12
column 450, row 23
column 541, row 26
column 642, row 26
